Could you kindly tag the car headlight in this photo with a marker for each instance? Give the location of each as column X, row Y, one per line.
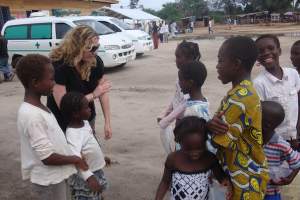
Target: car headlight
column 111, row 47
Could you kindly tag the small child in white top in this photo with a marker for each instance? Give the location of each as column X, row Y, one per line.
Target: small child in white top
column 88, row 184
column 46, row 158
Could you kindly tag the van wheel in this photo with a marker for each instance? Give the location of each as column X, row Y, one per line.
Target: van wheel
column 139, row 54
column 15, row 60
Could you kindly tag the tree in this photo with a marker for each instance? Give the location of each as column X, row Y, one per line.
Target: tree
column 151, row 11
column 170, row 12
column 196, row 8
column 133, row 4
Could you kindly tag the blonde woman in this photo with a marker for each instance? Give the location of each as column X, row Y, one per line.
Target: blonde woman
column 79, row 69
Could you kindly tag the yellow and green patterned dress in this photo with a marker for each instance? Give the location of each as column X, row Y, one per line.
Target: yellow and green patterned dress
column 240, row 149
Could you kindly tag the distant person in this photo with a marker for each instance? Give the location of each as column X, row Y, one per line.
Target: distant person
column 161, row 32
column 192, row 26
column 173, row 28
column 283, row 161
column 4, row 66
column 46, row 159
column 210, row 26
column 89, row 184
column 155, row 36
column 188, row 170
column 166, row 32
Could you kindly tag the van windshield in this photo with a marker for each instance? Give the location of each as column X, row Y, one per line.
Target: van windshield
column 98, row 27
column 121, row 24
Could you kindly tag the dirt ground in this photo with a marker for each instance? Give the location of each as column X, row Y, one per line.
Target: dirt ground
column 141, row 90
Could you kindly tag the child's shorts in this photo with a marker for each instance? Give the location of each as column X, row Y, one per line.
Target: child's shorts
column 273, row 197
column 81, row 191
column 55, row 191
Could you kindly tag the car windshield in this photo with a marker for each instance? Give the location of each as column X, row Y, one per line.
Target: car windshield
column 98, row 27
column 121, row 24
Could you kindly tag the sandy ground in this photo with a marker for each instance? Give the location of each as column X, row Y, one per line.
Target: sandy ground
column 141, row 90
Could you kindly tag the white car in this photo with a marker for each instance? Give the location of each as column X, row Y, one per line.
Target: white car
column 141, row 40
column 41, row 34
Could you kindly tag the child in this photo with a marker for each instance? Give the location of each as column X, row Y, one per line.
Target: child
column 186, row 52
column 236, row 128
column 191, row 78
column 278, row 84
column 45, row 156
column 277, row 150
column 88, row 184
column 187, row 171
column 295, row 55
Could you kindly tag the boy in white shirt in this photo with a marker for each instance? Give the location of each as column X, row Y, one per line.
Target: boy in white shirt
column 278, row 84
column 45, row 156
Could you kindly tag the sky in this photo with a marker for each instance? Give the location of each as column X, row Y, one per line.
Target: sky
column 153, row 4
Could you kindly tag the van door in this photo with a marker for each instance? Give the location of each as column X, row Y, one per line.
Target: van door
column 41, row 38
column 18, row 39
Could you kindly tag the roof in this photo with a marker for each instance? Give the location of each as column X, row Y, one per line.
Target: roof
column 125, row 13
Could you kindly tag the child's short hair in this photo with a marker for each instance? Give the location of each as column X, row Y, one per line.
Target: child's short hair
column 71, row 103
column 244, row 49
column 297, row 43
column 188, row 126
column 195, row 71
column 31, row 67
column 190, row 50
column 274, row 111
column 270, row 36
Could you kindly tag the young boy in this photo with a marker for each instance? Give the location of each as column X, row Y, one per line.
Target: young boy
column 277, row 150
column 45, row 157
column 295, row 55
column 278, row 84
column 236, row 128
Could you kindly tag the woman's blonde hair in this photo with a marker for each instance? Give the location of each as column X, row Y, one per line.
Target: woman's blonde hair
column 72, row 47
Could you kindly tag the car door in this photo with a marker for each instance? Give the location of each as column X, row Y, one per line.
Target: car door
column 41, row 38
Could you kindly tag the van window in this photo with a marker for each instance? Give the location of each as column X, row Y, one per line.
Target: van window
column 111, row 26
column 19, row 32
column 61, row 30
column 41, row 31
column 101, row 29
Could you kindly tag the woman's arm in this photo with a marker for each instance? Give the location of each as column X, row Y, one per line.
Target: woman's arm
column 58, row 92
column 104, row 101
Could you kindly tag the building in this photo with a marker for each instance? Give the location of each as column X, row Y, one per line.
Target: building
column 21, row 8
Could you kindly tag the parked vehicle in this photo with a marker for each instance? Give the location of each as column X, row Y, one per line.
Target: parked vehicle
column 141, row 40
column 41, row 34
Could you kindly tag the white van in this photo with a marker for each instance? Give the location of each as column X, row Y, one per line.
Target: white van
column 141, row 40
column 41, row 34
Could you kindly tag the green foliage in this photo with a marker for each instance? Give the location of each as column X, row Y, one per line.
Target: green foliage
column 196, row 8
column 218, row 16
column 151, row 11
column 170, row 12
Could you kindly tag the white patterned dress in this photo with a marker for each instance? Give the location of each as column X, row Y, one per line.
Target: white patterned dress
column 190, row 186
